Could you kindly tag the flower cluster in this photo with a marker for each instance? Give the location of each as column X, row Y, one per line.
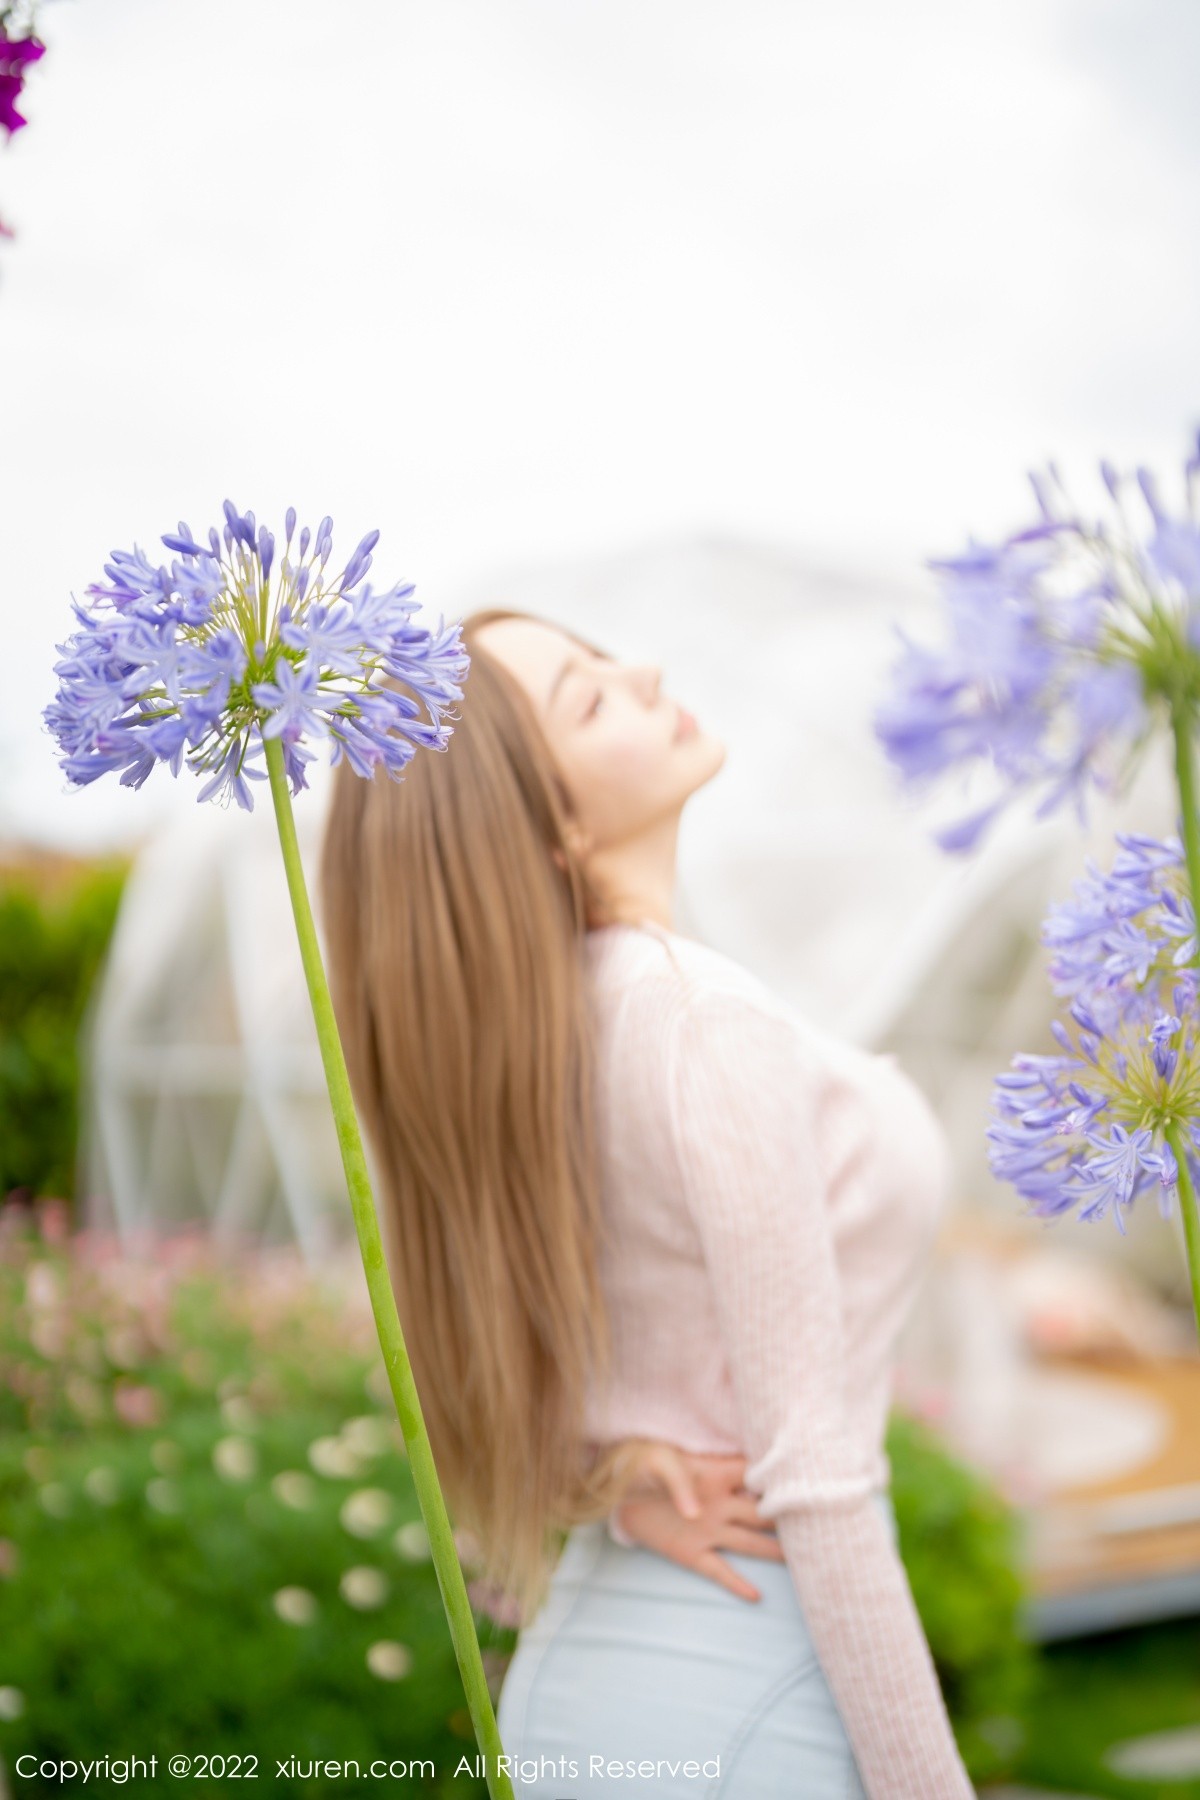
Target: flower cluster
column 1103, row 1121
column 18, row 50
column 1060, row 641
column 198, row 661
column 16, row 54
column 97, row 1328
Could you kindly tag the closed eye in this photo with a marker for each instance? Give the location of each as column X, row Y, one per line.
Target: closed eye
column 595, row 706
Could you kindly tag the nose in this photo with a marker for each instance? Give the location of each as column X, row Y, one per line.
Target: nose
column 649, row 680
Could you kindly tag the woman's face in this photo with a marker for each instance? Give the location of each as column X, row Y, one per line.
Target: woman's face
column 629, row 755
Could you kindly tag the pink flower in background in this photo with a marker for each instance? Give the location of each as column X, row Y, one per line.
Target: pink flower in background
column 486, row 1597
column 16, row 54
column 53, row 1216
column 137, row 1404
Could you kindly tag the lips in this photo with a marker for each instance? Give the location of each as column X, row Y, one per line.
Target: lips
column 686, row 725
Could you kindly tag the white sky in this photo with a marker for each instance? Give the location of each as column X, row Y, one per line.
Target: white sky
column 519, row 281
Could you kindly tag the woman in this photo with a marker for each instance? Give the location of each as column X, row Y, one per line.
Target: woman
column 653, row 1237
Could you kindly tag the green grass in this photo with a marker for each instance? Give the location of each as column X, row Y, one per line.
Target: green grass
column 1093, row 1693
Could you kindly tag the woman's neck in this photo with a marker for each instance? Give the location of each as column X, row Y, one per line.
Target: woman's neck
column 637, row 878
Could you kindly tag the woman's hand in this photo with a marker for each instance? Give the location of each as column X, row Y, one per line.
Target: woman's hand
column 688, row 1506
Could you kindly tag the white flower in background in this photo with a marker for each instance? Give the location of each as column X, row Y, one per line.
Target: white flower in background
column 367, row 1436
column 294, row 1488
column 164, row 1496
column 332, row 1456
column 376, row 1385
column 55, row 1499
column 235, row 1458
column 103, row 1485
column 238, row 1413
column 412, row 1541
column 295, row 1605
column 366, row 1511
column 363, row 1587
column 12, row 1703
column 42, row 1287
column 388, row 1660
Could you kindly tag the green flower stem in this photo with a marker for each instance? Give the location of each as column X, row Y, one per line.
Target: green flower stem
column 383, row 1300
column 1185, row 777
column 1181, row 730
column 1191, row 1217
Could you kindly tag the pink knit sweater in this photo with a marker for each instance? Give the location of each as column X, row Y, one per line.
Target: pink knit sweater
column 771, row 1195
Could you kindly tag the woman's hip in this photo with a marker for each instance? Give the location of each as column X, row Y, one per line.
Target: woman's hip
column 685, row 1688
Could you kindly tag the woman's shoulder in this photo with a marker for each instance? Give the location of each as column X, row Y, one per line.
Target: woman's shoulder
column 699, row 985
column 624, row 955
column 697, row 1037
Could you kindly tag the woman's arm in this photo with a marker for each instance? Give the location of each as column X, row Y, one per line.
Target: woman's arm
column 748, row 1103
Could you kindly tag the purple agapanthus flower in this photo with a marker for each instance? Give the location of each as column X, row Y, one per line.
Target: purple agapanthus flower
column 199, row 660
column 1127, row 928
column 1088, row 1128
column 1060, row 645
column 16, row 56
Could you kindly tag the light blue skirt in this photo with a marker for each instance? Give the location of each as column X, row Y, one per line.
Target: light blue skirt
column 695, row 1694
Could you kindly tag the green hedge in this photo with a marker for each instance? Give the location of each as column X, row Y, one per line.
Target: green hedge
column 960, row 1544
column 51, row 944
column 209, row 1538
column 179, row 1442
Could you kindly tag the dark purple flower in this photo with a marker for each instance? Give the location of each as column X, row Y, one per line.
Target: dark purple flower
column 16, row 54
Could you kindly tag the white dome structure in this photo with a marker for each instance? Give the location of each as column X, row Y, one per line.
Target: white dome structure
column 206, row 1098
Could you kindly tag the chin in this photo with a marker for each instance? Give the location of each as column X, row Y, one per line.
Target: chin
column 710, row 758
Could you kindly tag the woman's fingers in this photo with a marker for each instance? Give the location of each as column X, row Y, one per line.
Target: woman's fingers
column 742, row 1509
column 670, row 1466
column 718, row 1481
column 715, row 1474
column 748, row 1542
column 717, row 1569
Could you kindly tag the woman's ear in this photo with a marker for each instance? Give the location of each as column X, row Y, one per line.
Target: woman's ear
column 578, row 843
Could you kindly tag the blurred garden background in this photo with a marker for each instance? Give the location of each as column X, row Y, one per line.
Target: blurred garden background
column 696, row 331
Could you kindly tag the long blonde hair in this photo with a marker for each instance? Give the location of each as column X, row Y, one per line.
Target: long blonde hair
column 455, row 958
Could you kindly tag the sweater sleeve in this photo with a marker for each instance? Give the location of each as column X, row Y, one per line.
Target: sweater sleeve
column 748, row 1099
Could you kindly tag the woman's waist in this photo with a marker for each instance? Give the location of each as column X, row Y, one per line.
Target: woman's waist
column 669, row 1396
column 591, row 1558
column 685, row 1395
column 716, row 1430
